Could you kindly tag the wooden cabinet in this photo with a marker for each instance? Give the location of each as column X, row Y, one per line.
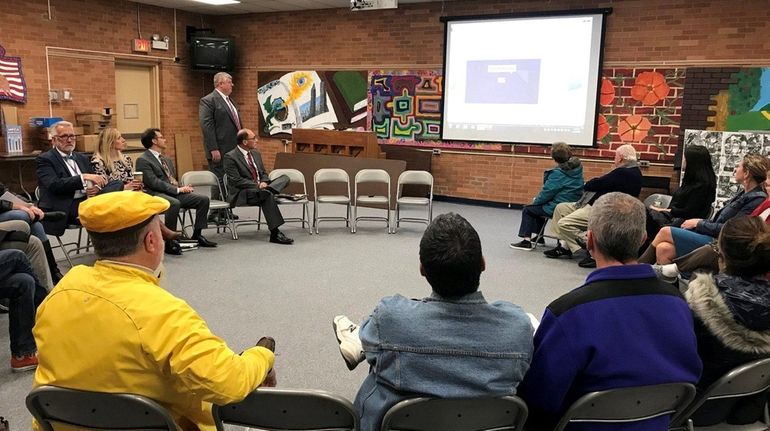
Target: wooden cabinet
column 335, row 142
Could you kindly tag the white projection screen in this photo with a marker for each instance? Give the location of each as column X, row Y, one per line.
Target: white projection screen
column 530, row 79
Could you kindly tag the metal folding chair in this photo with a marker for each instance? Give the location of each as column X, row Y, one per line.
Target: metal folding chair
column 331, row 175
column 296, row 177
column 478, row 414
column 371, row 176
column 64, row 245
column 416, row 178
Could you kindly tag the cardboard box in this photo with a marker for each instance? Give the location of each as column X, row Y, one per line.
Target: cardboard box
column 87, row 143
column 93, row 127
column 78, row 130
column 90, row 116
column 10, row 115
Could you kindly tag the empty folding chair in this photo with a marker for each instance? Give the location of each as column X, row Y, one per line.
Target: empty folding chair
column 331, row 175
column 378, row 176
column 423, row 178
column 296, row 177
column 96, row 410
column 203, row 181
column 478, row 414
column 288, row 409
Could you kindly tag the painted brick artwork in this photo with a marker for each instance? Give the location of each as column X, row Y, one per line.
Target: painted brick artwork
column 12, row 85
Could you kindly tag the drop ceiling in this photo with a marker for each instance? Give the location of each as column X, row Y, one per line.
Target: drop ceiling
column 257, row 6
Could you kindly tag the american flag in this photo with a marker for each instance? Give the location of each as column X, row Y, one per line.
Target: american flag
column 12, row 86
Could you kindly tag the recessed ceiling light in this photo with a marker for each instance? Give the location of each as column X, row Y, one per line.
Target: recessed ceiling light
column 218, row 2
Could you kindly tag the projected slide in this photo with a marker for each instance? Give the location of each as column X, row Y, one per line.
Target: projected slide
column 531, row 79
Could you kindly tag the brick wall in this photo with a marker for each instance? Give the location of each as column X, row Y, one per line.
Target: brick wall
column 654, row 32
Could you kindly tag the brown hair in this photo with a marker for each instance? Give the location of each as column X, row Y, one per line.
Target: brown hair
column 744, row 244
column 757, row 166
column 561, row 152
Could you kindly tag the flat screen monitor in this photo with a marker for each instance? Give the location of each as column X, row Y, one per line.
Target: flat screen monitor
column 212, row 53
column 530, row 78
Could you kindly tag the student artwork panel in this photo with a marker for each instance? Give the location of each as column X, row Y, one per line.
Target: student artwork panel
column 311, row 100
column 12, row 85
column 746, row 102
column 405, row 109
column 727, row 149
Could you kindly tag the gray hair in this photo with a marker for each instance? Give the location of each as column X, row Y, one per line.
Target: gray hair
column 617, row 224
column 627, row 152
column 52, row 130
column 221, row 77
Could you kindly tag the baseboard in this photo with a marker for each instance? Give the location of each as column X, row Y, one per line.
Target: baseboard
column 477, row 202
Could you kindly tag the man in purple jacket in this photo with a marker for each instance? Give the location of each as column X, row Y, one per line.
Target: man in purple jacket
column 622, row 328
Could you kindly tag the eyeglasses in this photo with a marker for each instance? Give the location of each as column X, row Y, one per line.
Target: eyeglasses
column 66, row 137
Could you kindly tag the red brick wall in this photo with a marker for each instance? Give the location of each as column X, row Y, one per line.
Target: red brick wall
column 655, row 32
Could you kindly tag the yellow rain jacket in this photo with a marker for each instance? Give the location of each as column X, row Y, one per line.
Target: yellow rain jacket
column 112, row 328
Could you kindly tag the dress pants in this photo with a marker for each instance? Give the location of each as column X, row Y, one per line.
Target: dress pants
column 532, row 220
column 265, row 200
column 18, row 283
column 569, row 222
column 219, row 170
column 199, row 203
column 33, row 249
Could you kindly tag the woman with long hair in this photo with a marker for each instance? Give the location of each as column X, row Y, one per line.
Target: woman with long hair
column 110, row 162
column 732, row 315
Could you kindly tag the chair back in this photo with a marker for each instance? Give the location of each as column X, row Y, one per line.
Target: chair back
column 203, row 180
column 96, row 410
column 629, row 404
column 331, row 175
column 433, row 414
column 288, row 409
column 372, row 176
column 415, row 177
column 742, row 381
column 658, row 199
column 295, row 176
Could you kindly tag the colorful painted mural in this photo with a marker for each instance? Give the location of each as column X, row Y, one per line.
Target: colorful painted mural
column 310, row 99
column 745, row 105
column 405, row 109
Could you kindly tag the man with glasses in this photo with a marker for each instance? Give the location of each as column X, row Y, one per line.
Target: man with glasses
column 66, row 179
column 249, row 184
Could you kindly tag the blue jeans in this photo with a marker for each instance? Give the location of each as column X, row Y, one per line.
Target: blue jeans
column 18, row 283
column 36, row 228
column 533, row 218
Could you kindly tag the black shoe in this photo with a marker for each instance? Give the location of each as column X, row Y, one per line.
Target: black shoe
column 279, row 238
column 588, row 262
column 214, row 219
column 558, row 251
column 579, row 241
column 173, row 247
column 541, row 240
column 203, row 242
column 54, row 215
column 522, row 245
column 235, row 216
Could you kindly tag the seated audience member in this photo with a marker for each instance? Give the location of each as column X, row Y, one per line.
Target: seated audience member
column 672, row 242
column 249, row 184
column 15, row 234
column 705, row 258
column 732, row 316
column 693, row 198
column 622, row 328
column 112, row 327
column 570, row 219
column 452, row 344
column 159, row 179
column 31, row 215
column 19, row 284
column 110, row 162
column 564, row 183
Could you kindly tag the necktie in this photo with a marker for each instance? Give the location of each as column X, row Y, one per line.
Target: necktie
column 252, row 168
column 170, row 177
column 69, row 159
column 233, row 113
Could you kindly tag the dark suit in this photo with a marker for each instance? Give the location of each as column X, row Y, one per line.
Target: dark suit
column 157, row 183
column 58, row 187
column 243, row 190
column 219, row 130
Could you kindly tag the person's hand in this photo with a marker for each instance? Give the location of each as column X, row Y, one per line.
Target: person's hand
column 659, row 209
column 96, row 179
column 26, row 209
column 690, row 223
column 37, row 212
column 186, row 189
column 132, row 186
column 270, row 380
column 92, row 191
column 216, row 156
column 263, row 185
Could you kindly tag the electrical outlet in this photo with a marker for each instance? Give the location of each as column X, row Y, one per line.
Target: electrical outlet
column 436, row 151
column 644, row 163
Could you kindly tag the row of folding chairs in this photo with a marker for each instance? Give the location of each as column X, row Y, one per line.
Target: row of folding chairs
column 287, row 409
column 325, row 179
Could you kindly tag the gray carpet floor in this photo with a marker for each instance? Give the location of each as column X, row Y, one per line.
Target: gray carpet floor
column 249, row 288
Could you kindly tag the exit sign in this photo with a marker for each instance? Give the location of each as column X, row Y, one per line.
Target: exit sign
column 141, row 45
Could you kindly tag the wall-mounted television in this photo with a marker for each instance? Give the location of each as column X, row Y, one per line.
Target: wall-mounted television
column 212, row 53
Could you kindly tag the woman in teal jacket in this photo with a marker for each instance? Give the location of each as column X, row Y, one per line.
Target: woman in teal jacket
column 564, row 183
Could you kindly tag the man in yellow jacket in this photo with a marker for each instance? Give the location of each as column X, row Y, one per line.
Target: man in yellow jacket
column 112, row 328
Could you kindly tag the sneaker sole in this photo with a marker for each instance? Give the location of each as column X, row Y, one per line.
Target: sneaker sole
column 351, row 366
column 521, row 248
column 22, row 369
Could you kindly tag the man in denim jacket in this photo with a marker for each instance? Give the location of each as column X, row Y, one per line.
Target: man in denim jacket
column 452, row 344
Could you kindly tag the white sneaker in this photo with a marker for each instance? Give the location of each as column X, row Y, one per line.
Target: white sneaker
column 347, row 337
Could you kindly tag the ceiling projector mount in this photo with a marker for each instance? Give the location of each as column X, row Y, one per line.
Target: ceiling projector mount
column 356, row 5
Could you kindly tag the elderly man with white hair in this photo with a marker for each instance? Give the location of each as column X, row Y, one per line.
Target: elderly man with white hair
column 570, row 219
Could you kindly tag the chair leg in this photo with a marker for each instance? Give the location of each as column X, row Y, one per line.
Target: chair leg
column 355, row 217
column 64, row 250
column 347, row 220
column 315, row 217
column 398, row 218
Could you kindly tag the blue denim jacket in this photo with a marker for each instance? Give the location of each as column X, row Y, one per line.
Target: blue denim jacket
column 439, row 347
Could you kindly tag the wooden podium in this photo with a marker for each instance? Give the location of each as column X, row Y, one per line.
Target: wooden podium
column 336, row 143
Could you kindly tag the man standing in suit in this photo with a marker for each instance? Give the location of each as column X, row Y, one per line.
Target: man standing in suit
column 220, row 122
column 249, row 184
column 159, row 180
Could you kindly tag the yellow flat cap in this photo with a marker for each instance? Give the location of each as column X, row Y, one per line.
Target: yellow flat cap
column 111, row 212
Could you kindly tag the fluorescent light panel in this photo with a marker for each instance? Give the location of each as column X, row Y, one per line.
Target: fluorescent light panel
column 218, row 2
